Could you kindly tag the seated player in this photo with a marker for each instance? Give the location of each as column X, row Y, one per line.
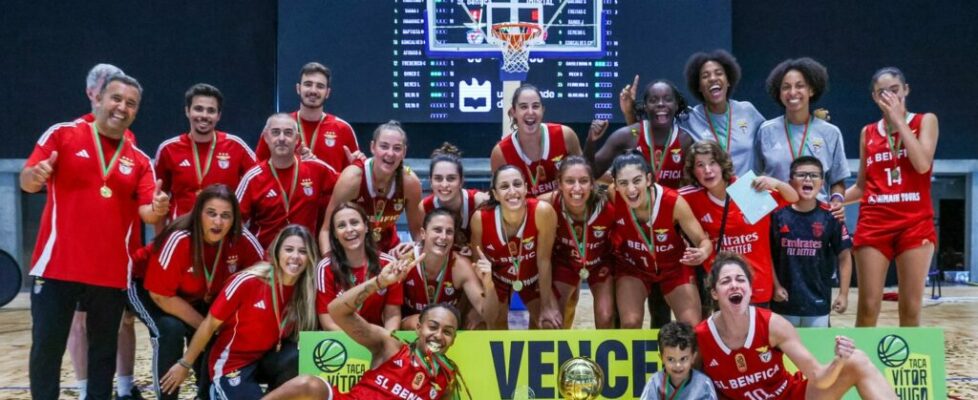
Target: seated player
column 418, row 370
column 808, row 245
column 678, row 380
column 745, row 344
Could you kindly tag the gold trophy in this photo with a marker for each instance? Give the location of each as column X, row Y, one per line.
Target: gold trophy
column 580, row 379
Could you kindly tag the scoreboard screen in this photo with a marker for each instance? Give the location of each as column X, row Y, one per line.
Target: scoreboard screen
column 440, row 60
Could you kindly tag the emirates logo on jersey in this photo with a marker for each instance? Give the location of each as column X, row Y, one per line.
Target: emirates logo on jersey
column 223, row 160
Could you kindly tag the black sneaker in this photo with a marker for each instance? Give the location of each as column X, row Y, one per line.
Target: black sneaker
column 134, row 394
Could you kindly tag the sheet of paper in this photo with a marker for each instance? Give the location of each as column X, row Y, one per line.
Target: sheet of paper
column 754, row 205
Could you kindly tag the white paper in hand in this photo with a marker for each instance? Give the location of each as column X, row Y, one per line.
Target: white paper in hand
column 752, row 203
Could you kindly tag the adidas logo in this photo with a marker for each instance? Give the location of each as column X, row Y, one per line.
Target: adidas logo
column 185, row 163
column 399, row 363
column 271, row 194
column 621, row 221
column 707, row 219
column 410, row 282
column 714, row 363
column 82, row 153
column 490, row 248
column 784, row 229
column 260, row 304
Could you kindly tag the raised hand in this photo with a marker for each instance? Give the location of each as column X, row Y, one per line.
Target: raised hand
column 626, row 98
column 43, row 170
column 483, row 267
column 161, row 200
column 597, row 130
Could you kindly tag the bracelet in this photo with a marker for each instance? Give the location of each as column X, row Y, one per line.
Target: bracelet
column 183, row 363
column 837, row 195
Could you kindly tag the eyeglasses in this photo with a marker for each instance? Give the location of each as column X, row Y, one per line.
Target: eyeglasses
column 806, row 175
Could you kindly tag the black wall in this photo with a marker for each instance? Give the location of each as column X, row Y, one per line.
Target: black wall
column 48, row 46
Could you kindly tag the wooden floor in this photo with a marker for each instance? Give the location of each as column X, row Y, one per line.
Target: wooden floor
column 956, row 312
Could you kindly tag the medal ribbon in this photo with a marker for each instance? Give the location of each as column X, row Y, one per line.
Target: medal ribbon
column 279, row 320
column 209, row 275
column 438, row 361
column 650, row 140
column 716, row 135
column 581, row 244
column 440, row 279
column 530, row 172
column 295, row 180
column 378, row 215
column 106, row 169
column 804, row 138
column 641, row 231
column 519, row 244
column 353, row 281
column 675, row 392
column 315, row 132
column 210, row 157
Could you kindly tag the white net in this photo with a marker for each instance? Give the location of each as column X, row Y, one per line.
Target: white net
column 514, row 40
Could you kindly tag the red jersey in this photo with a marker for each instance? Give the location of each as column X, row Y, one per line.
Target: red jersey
column 250, row 327
column 754, row 371
column 171, row 271
column 372, row 310
column 668, row 167
column 633, row 250
column 325, row 138
column 421, row 290
column 751, row 241
column 177, row 166
column 895, row 193
column 596, row 233
column 464, row 215
column 502, row 250
column 540, row 175
column 304, row 193
column 403, row 376
column 84, row 236
column 382, row 210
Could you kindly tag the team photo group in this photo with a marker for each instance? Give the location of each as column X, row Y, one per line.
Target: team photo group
column 256, row 241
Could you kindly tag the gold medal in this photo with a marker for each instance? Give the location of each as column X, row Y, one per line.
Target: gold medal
column 376, row 235
column 517, row 285
column 105, row 191
column 895, row 174
column 584, row 273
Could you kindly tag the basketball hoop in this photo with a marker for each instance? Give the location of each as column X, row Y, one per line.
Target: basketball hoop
column 514, row 38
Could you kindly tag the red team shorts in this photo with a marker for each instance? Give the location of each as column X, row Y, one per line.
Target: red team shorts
column 567, row 274
column 668, row 278
column 894, row 239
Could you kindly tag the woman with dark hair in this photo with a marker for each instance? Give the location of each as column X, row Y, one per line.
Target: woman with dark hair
column 657, row 134
column 354, row 259
column 189, row 263
column 896, row 216
column 270, row 301
column 444, row 275
column 796, row 84
column 383, row 187
column 515, row 235
column 651, row 251
column 747, row 344
column 448, row 191
column 535, row 148
column 415, row 370
column 583, row 249
column 709, row 171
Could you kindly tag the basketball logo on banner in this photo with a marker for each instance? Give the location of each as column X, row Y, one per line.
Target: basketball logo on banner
column 329, row 355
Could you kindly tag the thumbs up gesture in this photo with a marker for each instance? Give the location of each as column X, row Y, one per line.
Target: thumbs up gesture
column 161, row 200
column 43, row 170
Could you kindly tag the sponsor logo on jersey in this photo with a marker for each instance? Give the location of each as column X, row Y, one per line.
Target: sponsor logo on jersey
column 784, row 229
column 714, row 363
column 528, row 243
column 661, row 234
column 82, row 153
column 260, row 304
column 621, row 221
column 234, row 378
column 232, row 262
column 223, row 160
column 707, row 219
column 307, row 186
column 399, row 363
column 184, row 163
column 410, row 282
column 676, row 155
column 398, row 205
column 271, row 194
column 449, row 289
column 125, row 165
column 330, row 138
